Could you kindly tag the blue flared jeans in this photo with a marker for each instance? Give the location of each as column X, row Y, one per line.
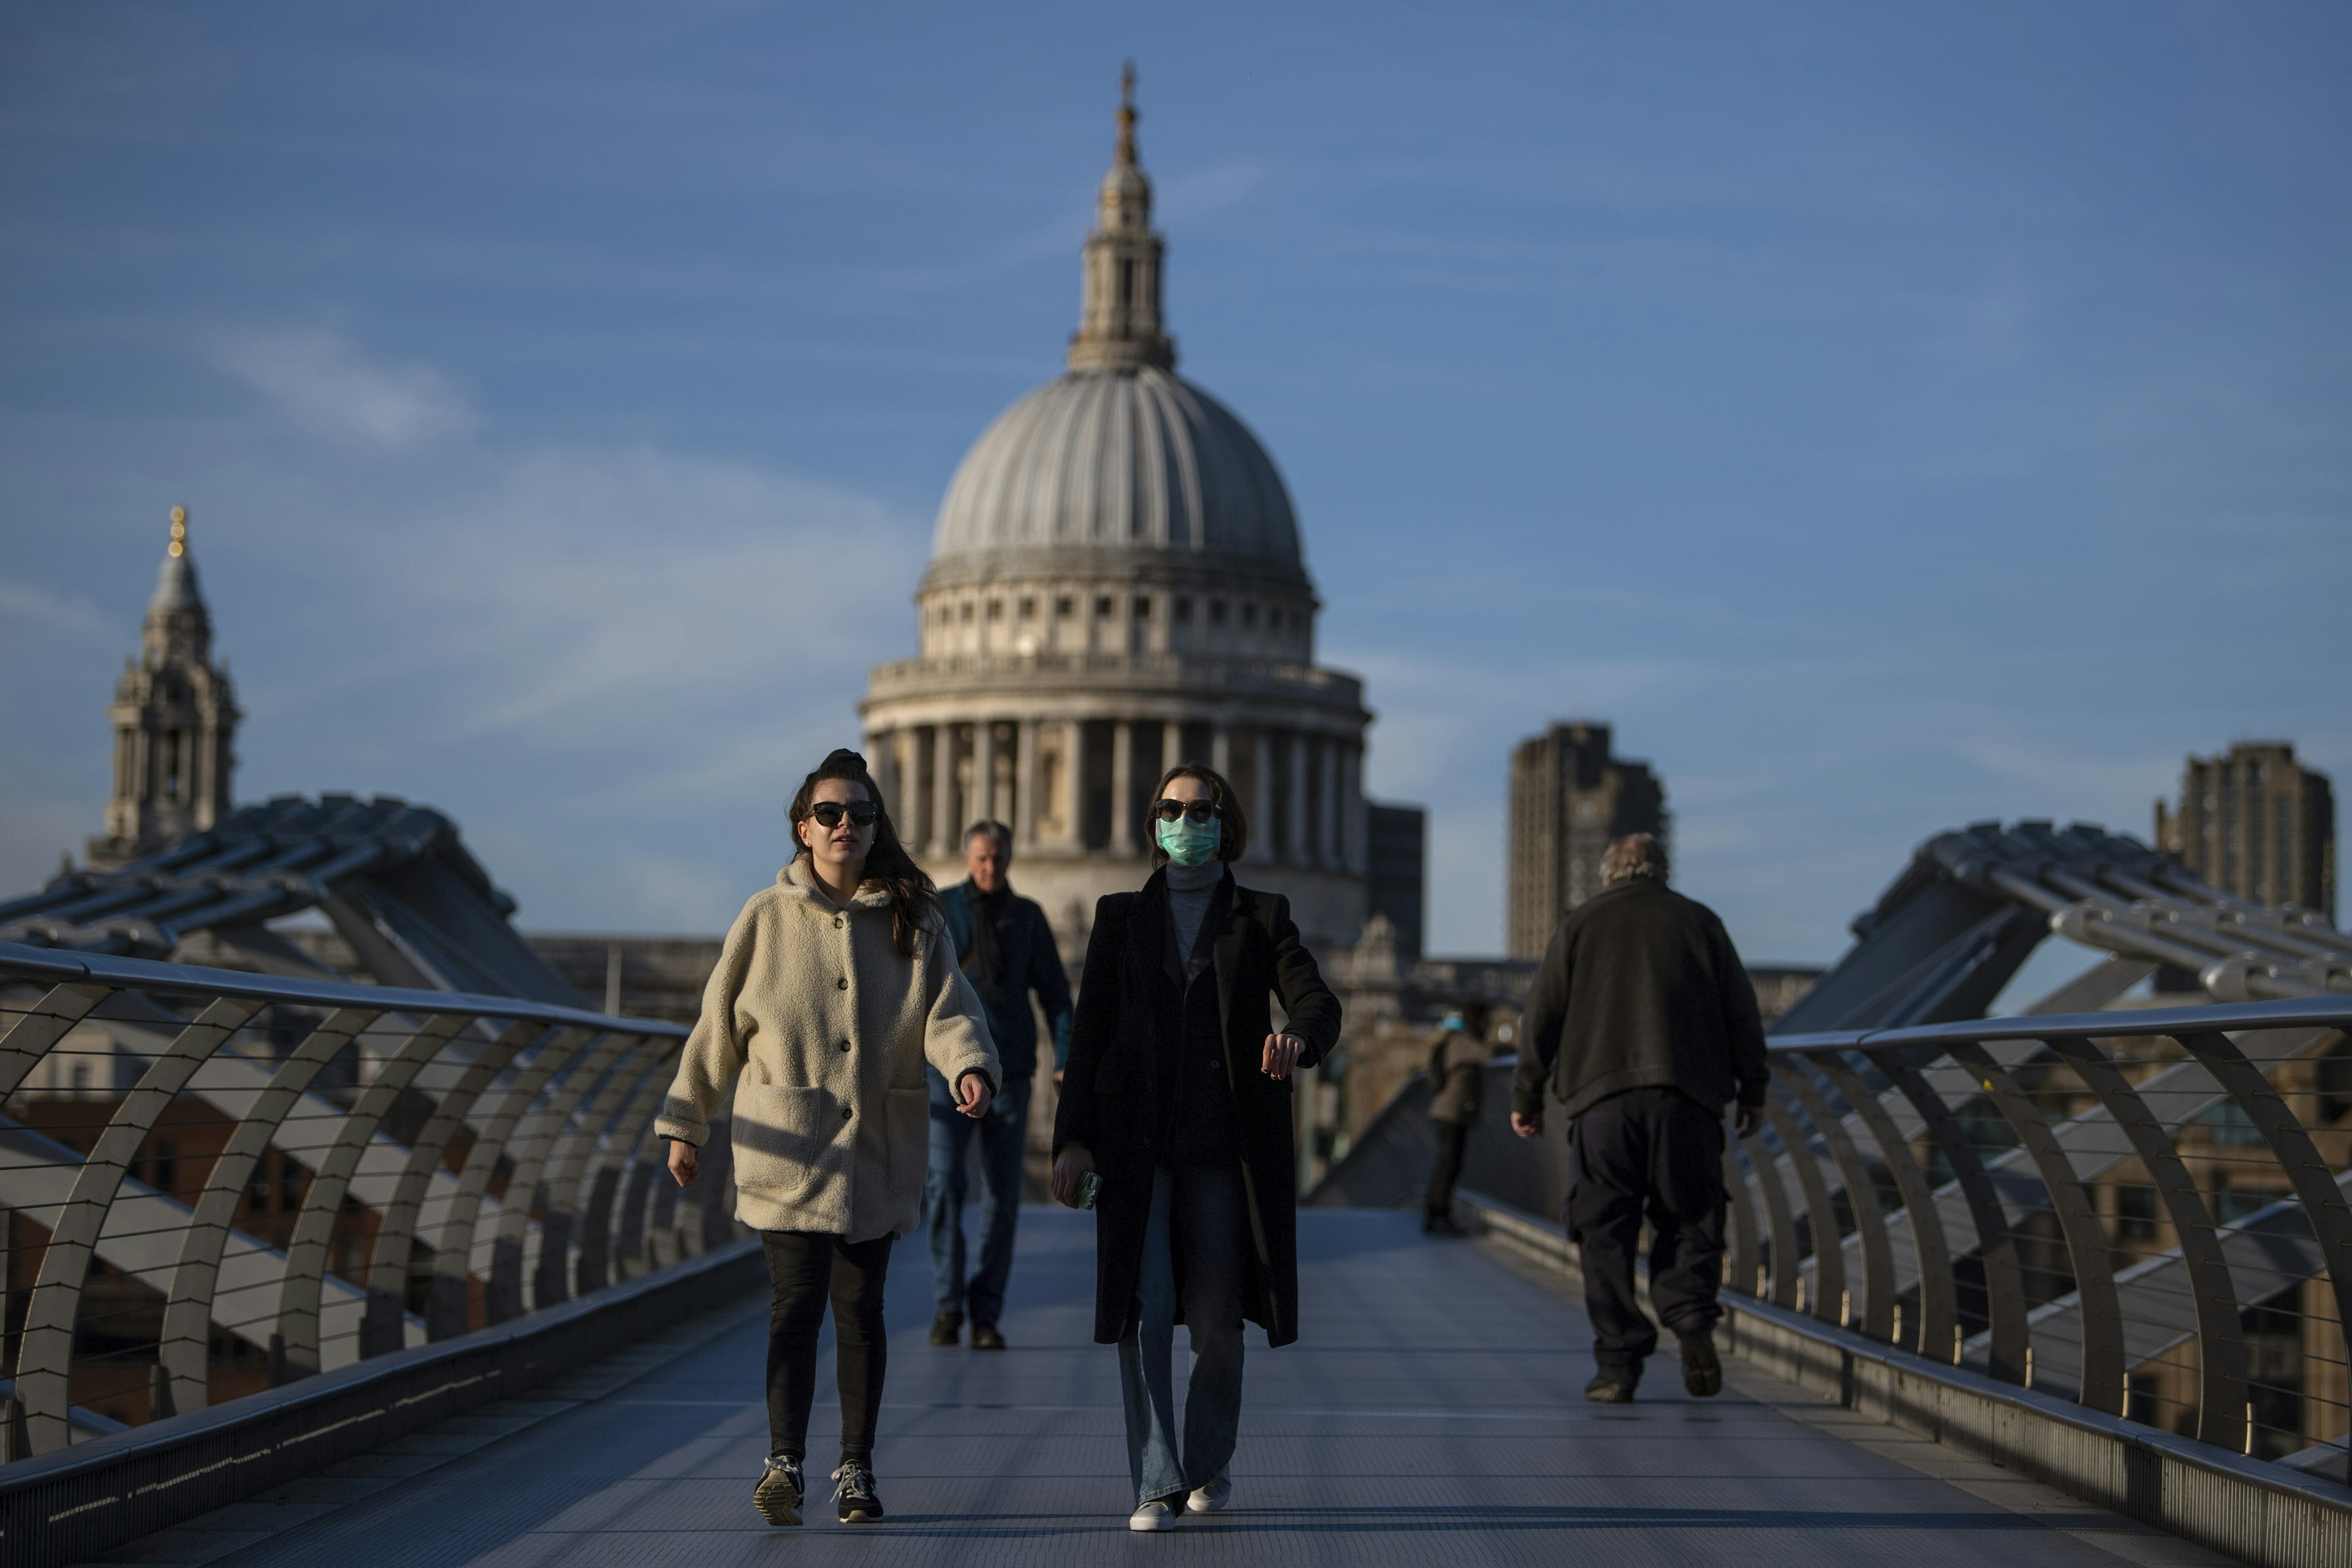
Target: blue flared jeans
column 1197, row 1217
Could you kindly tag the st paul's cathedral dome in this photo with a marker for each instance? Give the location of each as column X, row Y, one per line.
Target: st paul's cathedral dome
column 1117, row 584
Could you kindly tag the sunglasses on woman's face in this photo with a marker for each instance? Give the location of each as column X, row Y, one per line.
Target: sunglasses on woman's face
column 829, row 813
column 1198, row 810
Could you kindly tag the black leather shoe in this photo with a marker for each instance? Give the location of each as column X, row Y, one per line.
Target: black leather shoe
column 985, row 1337
column 1609, row 1388
column 1442, row 1224
column 947, row 1329
column 1702, row 1373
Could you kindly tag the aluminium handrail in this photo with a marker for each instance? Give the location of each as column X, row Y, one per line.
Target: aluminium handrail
column 567, row 1082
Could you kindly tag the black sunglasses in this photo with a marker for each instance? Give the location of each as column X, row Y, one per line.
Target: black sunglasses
column 1198, row 810
column 861, row 813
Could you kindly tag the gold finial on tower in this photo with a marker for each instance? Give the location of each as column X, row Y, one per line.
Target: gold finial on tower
column 179, row 530
column 1126, row 114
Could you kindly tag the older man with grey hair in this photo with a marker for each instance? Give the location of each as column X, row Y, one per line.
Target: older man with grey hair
column 1643, row 1021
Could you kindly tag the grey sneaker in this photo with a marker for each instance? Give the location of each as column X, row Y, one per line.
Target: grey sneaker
column 1160, row 1513
column 778, row 1495
column 1215, row 1497
column 852, row 1491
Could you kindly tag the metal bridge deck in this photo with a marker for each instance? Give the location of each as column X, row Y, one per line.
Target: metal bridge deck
column 1432, row 1413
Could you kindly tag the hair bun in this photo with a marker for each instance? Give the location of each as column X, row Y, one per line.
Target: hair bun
column 843, row 757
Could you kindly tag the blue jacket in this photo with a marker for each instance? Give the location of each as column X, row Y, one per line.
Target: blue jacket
column 1032, row 962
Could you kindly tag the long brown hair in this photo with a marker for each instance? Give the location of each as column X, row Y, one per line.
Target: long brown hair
column 914, row 902
column 1232, row 838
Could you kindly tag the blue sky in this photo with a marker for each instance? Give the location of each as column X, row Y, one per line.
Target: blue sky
column 1887, row 417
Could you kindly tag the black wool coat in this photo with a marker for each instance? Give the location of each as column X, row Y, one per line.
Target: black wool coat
column 1114, row 1104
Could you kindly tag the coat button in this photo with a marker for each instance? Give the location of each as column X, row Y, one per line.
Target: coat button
column 842, row 984
column 844, row 1045
column 844, row 1113
column 837, row 923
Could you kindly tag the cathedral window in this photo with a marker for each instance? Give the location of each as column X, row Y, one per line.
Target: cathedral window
column 1028, row 609
column 1143, row 607
column 995, row 609
column 1102, row 606
column 1066, row 606
column 1183, row 611
column 1126, row 282
column 1249, row 614
column 1217, row 612
column 967, row 609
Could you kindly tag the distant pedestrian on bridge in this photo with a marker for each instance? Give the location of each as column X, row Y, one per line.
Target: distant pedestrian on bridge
column 1177, row 1098
column 834, row 989
column 1457, row 1092
column 1642, row 1021
column 1007, row 952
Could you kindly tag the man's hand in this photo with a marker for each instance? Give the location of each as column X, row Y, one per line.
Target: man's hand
column 1074, row 1161
column 685, row 1163
column 1750, row 1121
column 973, row 1090
column 1527, row 1125
column 1282, row 1053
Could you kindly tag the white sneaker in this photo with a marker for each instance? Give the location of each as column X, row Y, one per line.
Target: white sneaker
column 1153, row 1515
column 1215, row 1497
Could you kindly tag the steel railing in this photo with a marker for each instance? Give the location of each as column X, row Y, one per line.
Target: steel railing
column 217, row 1182
column 2145, row 1211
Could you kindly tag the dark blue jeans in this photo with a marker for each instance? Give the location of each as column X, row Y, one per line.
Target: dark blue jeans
column 1002, row 1131
column 1197, row 1216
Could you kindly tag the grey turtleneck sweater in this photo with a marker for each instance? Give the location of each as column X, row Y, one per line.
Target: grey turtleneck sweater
column 1189, row 888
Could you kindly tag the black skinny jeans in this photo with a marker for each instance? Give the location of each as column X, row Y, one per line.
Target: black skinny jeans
column 803, row 1268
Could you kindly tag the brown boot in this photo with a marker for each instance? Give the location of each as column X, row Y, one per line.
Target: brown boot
column 1702, row 1372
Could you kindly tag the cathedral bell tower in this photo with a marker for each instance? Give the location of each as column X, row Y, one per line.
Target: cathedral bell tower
column 175, row 716
column 1119, row 315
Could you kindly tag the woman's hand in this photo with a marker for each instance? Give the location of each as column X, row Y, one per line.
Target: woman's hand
column 1074, row 1161
column 685, row 1163
column 1282, row 1053
column 974, row 1092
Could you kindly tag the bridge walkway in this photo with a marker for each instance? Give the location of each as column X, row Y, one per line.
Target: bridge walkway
column 1432, row 1413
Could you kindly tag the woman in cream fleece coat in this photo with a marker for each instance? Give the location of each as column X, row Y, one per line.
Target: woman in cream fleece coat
column 835, row 988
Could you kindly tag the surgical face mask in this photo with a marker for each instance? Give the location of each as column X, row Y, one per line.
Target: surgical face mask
column 1189, row 843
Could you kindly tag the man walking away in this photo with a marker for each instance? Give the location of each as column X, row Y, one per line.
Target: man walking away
column 1007, row 951
column 1457, row 1085
column 1644, row 1023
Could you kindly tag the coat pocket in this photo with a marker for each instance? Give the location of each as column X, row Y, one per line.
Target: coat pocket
column 780, row 1138
column 906, row 1118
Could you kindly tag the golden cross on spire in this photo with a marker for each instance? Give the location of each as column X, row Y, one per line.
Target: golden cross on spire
column 179, row 530
column 1126, row 114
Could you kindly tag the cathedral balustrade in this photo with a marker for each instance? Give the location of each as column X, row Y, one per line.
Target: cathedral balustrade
column 212, row 1182
column 1187, row 672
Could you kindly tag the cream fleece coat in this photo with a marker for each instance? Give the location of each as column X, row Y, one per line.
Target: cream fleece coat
column 822, row 1030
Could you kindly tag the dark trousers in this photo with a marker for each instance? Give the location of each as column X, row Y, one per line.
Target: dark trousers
column 1003, row 1134
column 1452, row 1138
column 805, row 1268
column 1655, row 1154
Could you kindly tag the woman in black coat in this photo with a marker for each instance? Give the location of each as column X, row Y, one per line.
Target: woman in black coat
column 1176, row 1096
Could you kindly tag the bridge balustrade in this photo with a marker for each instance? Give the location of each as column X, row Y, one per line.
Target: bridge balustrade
column 2146, row 1212
column 214, row 1182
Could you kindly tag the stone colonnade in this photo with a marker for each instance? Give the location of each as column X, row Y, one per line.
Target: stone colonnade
column 1079, row 785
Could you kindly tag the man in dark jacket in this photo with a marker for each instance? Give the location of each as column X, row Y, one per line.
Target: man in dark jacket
column 1006, row 950
column 1643, row 1021
column 1457, row 1090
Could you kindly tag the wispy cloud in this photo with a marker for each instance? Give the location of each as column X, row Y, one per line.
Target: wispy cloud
column 324, row 384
